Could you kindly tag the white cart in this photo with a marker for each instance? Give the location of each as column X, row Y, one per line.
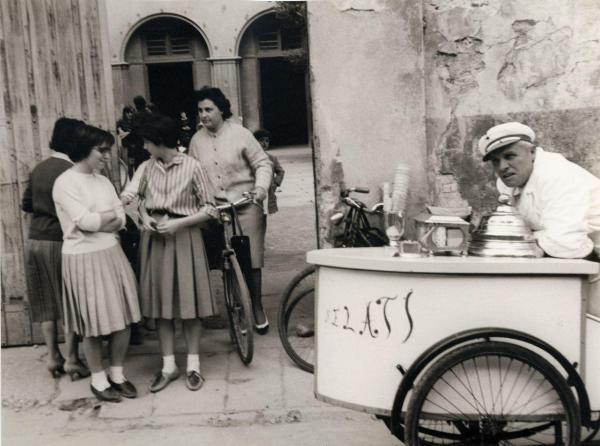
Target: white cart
column 459, row 350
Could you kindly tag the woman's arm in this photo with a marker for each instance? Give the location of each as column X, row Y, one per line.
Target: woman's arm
column 173, row 225
column 260, row 164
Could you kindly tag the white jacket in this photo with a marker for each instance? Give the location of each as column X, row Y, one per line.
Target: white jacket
column 561, row 204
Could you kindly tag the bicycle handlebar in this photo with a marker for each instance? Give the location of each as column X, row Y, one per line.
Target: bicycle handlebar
column 359, row 190
column 235, row 204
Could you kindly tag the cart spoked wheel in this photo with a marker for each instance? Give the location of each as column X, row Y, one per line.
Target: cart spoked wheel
column 492, row 393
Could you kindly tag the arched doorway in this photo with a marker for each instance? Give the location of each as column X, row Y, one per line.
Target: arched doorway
column 167, row 59
column 273, row 79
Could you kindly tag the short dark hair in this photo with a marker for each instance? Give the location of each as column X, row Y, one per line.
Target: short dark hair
column 86, row 138
column 262, row 133
column 139, row 102
column 159, row 129
column 216, row 95
column 63, row 135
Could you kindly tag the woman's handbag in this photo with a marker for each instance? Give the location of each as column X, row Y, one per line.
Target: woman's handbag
column 240, row 243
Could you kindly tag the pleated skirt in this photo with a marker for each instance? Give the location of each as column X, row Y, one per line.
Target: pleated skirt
column 99, row 292
column 44, row 280
column 174, row 275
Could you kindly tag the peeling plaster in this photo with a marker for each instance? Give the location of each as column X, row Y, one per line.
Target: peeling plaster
column 360, row 5
column 534, row 60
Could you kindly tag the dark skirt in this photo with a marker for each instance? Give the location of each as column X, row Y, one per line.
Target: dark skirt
column 174, row 275
column 44, row 281
column 100, row 293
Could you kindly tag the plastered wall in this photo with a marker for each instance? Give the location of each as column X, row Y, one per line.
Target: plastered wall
column 367, row 87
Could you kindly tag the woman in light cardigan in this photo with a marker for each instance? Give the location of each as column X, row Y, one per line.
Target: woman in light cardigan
column 99, row 287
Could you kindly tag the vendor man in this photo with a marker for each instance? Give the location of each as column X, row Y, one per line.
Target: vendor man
column 559, row 200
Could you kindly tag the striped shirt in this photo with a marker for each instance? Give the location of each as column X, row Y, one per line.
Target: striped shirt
column 179, row 187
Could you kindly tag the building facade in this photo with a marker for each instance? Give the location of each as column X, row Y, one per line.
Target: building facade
column 164, row 50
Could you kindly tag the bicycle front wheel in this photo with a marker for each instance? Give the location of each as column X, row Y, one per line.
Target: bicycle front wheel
column 239, row 310
column 296, row 319
column 492, row 393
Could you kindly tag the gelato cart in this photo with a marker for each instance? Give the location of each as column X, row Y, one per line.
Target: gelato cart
column 459, row 350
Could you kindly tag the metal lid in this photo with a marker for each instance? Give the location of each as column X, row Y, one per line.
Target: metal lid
column 503, row 233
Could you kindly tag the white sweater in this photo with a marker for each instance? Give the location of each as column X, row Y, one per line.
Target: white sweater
column 79, row 199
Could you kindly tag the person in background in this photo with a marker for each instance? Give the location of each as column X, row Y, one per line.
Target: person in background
column 176, row 200
column 236, row 163
column 135, row 146
column 264, row 138
column 43, row 252
column 559, row 200
column 125, row 124
column 99, row 288
column 185, row 131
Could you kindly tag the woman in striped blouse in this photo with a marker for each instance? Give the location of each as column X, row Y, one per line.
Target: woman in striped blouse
column 176, row 198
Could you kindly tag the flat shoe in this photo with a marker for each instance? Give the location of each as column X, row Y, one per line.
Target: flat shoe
column 56, row 370
column 108, row 394
column 77, row 371
column 126, row 388
column 261, row 327
column 162, row 380
column 194, row 380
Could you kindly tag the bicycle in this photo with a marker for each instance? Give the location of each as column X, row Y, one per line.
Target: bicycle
column 237, row 295
column 295, row 318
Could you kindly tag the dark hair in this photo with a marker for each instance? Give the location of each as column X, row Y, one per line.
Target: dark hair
column 152, row 107
column 217, row 96
column 262, row 133
column 127, row 109
column 63, row 135
column 86, row 138
column 139, row 102
column 159, row 129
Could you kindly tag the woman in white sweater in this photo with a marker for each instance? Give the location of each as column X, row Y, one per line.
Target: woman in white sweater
column 99, row 287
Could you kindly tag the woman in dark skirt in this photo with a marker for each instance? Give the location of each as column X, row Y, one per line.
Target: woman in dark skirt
column 43, row 252
column 99, row 288
column 176, row 199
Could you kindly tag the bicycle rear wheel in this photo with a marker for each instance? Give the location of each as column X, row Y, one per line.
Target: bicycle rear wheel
column 239, row 310
column 296, row 319
column 492, row 393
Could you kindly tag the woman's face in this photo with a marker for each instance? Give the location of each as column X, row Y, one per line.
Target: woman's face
column 99, row 156
column 210, row 115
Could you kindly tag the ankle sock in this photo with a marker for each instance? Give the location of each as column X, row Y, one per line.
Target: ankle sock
column 193, row 363
column 99, row 381
column 116, row 374
column 169, row 365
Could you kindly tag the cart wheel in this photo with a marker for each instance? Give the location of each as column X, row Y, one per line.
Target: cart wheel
column 492, row 393
column 296, row 319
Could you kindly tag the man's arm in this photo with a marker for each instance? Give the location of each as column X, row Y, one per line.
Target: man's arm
column 564, row 219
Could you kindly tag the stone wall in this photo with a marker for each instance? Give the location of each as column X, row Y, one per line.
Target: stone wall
column 419, row 81
column 487, row 62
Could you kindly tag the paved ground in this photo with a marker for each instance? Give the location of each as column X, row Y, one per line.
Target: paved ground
column 268, row 403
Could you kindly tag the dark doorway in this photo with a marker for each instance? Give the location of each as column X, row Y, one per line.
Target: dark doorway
column 171, row 89
column 283, row 91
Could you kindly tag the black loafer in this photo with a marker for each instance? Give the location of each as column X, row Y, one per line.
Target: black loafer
column 261, row 323
column 194, row 380
column 108, row 394
column 126, row 389
column 162, row 380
